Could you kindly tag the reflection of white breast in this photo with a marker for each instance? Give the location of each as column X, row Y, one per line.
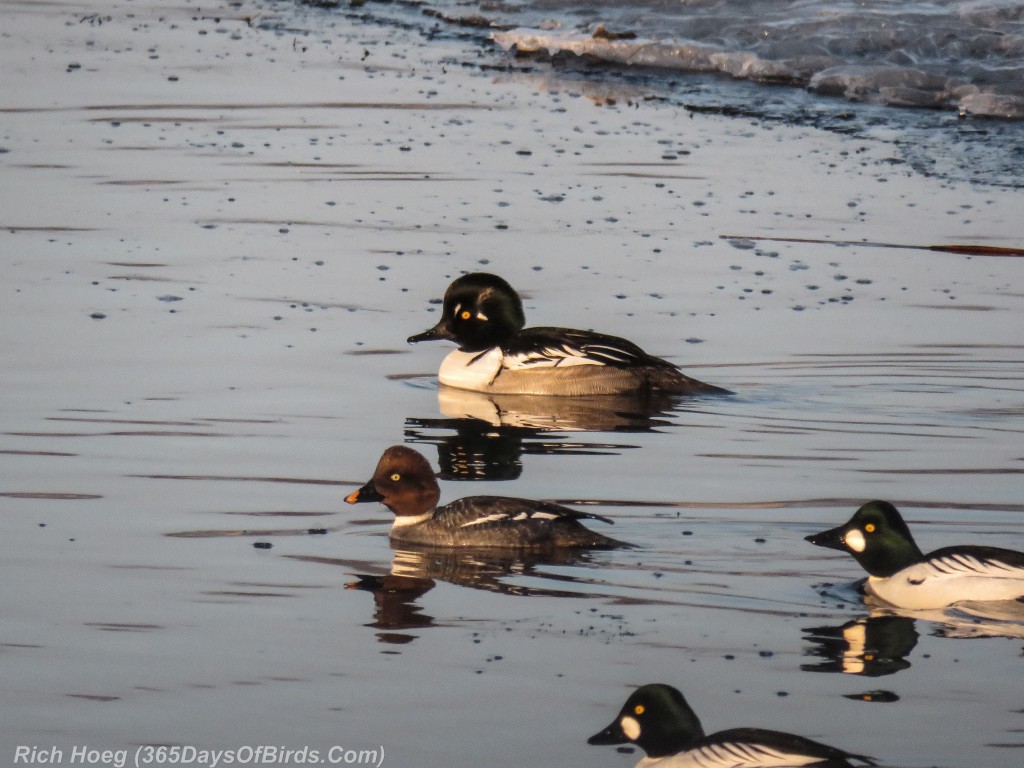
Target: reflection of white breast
column 941, row 582
column 470, row 370
column 855, row 636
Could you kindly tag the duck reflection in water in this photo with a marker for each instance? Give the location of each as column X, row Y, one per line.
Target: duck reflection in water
column 606, row 413
column 880, row 644
column 873, row 646
column 417, row 570
column 484, row 436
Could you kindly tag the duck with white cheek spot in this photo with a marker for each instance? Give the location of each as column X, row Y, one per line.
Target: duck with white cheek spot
column 405, row 483
column 497, row 354
column 658, row 720
column 900, row 575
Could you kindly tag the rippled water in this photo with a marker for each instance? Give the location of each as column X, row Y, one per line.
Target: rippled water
column 921, row 54
column 149, row 545
column 902, row 73
column 205, row 305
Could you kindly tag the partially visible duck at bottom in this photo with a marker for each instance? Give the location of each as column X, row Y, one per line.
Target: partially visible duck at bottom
column 405, row 483
column 902, row 576
column 658, row 719
column 484, row 315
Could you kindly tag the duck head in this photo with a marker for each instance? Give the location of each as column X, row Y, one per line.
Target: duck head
column 403, row 482
column 480, row 311
column 657, row 719
column 876, row 536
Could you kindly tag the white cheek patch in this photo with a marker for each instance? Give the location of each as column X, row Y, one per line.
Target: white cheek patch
column 630, row 727
column 855, row 540
column 482, row 316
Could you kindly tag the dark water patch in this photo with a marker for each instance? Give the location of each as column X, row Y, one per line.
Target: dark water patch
column 622, row 172
column 262, row 585
column 93, row 697
column 958, row 307
column 280, row 513
column 145, row 119
column 848, row 431
column 428, row 106
column 143, row 278
column 250, row 420
column 119, row 627
column 970, row 346
column 12, row 452
column 276, row 223
column 122, row 421
column 963, row 249
column 775, row 457
column 14, row 228
column 317, row 166
column 135, row 567
column 134, row 433
column 50, row 496
column 244, row 479
column 143, row 182
column 951, row 471
column 247, row 533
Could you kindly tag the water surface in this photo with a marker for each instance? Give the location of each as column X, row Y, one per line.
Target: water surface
column 206, row 299
column 907, row 74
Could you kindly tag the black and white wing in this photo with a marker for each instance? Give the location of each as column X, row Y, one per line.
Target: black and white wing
column 565, row 347
column 757, row 748
column 502, row 511
column 991, row 562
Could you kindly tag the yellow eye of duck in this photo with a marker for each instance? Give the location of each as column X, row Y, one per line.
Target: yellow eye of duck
column 395, row 477
column 466, row 314
column 638, row 709
column 869, row 528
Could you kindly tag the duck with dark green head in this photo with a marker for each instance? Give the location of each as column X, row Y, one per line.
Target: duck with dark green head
column 902, row 576
column 657, row 719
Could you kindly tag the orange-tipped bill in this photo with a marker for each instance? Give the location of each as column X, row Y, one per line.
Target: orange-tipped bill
column 368, row 492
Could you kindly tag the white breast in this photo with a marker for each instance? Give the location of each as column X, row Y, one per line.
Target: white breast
column 948, row 580
column 470, row 370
